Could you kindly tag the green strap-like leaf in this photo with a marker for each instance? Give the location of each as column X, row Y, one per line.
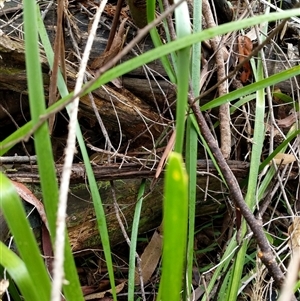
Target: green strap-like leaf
column 18, row 271
column 175, row 220
column 15, row 216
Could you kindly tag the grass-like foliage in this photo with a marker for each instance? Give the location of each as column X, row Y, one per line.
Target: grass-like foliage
column 27, row 269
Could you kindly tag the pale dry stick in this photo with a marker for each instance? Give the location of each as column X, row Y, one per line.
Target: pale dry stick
column 224, row 113
column 263, row 206
column 19, row 29
column 165, row 155
column 58, row 271
column 146, row 70
column 74, row 42
column 4, row 11
column 266, row 2
column 144, row 118
column 282, row 180
column 208, row 177
column 169, row 20
column 11, row 21
column 121, row 156
column 271, row 194
column 18, row 159
column 46, row 10
column 152, row 72
column 293, row 269
column 291, row 278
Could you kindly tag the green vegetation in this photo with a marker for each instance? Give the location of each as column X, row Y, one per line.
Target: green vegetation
column 29, row 272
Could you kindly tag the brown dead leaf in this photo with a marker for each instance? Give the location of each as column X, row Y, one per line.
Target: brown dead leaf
column 115, row 48
column 150, row 258
column 245, row 47
column 100, row 295
column 294, row 234
column 29, row 197
column 284, row 159
column 287, row 122
column 111, row 10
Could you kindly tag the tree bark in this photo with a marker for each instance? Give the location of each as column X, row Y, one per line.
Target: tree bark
column 81, row 220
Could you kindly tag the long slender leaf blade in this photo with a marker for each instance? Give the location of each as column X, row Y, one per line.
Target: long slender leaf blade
column 183, row 29
column 134, row 235
column 175, row 219
column 43, row 144
column 15, row 216
column 192, row 144
column 18, row 271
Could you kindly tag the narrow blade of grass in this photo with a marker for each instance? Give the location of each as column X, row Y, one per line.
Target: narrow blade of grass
column 133, row 242
column 15, row 216
column 192, row 145
column 18, row 271
column 183, row 29
column 43, row 144
column 250, row 199
column 175, row 219
column 151, row 6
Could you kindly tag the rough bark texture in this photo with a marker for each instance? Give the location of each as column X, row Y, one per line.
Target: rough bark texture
column 81, row 221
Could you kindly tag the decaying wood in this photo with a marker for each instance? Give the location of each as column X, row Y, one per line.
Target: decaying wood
column 81, row 221
column 121, row 111
column 105, row 172
column 115, row 106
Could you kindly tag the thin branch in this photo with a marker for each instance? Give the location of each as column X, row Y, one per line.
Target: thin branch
column 265, row 254
column 224, row 113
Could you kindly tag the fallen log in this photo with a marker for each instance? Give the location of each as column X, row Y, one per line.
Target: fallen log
column 81, row 221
